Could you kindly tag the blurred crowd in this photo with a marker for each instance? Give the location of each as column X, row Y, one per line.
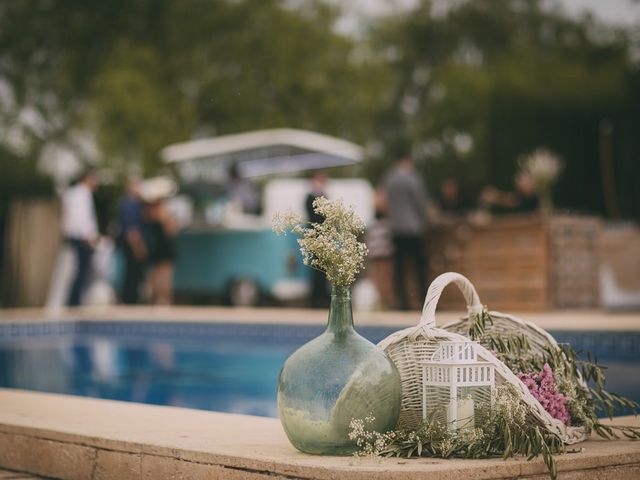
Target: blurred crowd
column 405, row 210
column 146, row 229
column 144, row 236
column 409, row 210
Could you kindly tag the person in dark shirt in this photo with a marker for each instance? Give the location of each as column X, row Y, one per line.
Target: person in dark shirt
column 131, row 242
column 319, row 296
column 162, row 252
column 527, row 198
column 449, row 199
column 406, row 199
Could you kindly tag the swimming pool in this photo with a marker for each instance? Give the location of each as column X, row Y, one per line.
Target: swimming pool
column 221, row 366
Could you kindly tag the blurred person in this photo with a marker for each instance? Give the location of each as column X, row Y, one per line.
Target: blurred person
column 380, row 245
column 242, row 192
column 449, row 198
column 524, row 200
column 162, row 251
column 406, row 207
column 80, row 231
column 131, row 242
column 319, row 296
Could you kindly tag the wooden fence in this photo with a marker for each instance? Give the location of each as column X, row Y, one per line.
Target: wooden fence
column 31, row 244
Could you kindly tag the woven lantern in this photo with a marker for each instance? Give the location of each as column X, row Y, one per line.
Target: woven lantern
column 455, row 379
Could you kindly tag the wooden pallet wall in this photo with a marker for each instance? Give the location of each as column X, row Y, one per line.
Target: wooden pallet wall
column 507, row 261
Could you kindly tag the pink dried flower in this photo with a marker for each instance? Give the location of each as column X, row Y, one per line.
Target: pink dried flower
column 543, row 389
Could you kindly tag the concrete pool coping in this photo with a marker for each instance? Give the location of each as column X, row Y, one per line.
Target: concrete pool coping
column 589, row 320
column 71, row 437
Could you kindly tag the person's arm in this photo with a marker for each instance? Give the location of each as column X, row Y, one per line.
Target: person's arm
column 509, row 200
column 492, row 196
column 435, row 214
column 88, row 219
column 65, row 214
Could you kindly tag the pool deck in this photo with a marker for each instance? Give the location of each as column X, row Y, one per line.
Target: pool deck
column 550, row 320
column 81, row 438
column 9, row 475
column 68, row 437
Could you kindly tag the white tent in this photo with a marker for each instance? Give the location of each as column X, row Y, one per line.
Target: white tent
column 258, row 153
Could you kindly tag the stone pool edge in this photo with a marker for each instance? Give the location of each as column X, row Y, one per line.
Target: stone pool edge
column 69, row 437
column 591, row 320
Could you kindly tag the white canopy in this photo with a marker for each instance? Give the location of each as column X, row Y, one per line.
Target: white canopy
column 261, row 152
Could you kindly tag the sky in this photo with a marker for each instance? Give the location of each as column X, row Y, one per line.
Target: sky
column 623, row 12
column 612, row 11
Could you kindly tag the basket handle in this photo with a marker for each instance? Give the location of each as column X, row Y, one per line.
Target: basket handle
column 474, row 306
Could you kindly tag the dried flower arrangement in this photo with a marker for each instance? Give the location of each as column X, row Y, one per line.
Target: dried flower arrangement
column 331, row 246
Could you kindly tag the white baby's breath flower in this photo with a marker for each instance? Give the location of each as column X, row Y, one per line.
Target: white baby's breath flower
column 283, row 222
column 371, row 443
column 331, row 246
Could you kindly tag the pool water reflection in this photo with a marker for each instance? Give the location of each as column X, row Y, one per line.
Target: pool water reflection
column 226, row 368
column 205, row 374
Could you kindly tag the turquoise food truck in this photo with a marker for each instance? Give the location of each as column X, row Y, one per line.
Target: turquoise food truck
column 240, row 265
column 225, row 251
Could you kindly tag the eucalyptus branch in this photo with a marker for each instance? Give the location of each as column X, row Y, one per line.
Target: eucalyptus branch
column 571, row 371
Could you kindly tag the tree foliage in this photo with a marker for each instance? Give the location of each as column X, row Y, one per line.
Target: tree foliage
column 470, row 87
column 486, row 81
column 140, row 74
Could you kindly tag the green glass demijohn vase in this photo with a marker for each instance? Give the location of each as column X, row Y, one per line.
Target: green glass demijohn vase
column 333, row 379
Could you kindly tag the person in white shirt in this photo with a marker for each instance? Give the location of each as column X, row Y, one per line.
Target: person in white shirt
column 80, row 230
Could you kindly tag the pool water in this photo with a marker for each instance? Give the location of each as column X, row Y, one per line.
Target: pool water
column 222, row 367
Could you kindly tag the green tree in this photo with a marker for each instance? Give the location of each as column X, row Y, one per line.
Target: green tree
column 489, row 80
column 139, row 74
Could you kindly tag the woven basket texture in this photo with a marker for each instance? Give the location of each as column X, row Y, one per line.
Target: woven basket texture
column 411, row 347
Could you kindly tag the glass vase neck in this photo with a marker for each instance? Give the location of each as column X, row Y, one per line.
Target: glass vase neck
column 340, row 312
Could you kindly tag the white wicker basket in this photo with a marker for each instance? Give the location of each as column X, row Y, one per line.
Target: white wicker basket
column 410, row 347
